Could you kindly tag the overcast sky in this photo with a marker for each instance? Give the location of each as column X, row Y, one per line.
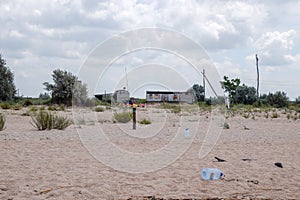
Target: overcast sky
column 37, row 37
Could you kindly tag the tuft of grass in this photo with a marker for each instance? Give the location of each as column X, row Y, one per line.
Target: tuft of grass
column 174, row 108
column 5, row 106
column 122, row 117
column 145, row 121
column 33, row 108
column 226, row 126
column 52, row 108
column 17, row 107
column 46, row 121
column 99, row 109
column 275, row 115
column 2, row 122
column 62, row 107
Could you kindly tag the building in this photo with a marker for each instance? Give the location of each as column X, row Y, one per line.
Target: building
column 118, row 96
column 169, row 96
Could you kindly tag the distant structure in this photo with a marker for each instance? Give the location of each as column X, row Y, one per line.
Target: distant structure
column 118, row 96
column 170, row 96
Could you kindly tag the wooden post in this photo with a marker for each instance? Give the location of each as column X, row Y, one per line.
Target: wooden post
column 134, row 116
column 257, row 87
column 204, row 82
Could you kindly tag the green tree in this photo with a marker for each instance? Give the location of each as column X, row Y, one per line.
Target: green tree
column 199, row 92
column 297, row 100
column 278, row 99
column 65, row 88
column 230, row 86
column 245, row 95
column 7, row 86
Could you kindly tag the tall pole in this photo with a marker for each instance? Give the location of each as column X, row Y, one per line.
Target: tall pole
column 204, row 82
column 257, row 88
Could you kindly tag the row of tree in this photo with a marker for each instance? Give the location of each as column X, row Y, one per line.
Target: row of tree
column 67, row 89
column 242, row 94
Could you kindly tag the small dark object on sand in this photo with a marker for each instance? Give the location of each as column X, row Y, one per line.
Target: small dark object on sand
column 220, row 160
column 278, row 164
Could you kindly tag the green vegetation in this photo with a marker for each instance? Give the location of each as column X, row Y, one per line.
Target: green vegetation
column 226, row 125
column 5, row 105
column 174, row 108
column 99, row 109
column 46, row 121
column 145, row 121
column 123, row 117
column 2, row 122
column 7, row 86
column 67, row 89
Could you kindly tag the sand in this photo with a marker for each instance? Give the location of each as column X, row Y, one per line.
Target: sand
column 57, row 165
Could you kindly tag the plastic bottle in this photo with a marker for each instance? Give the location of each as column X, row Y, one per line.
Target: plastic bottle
column 187, row 133
column 211, row 174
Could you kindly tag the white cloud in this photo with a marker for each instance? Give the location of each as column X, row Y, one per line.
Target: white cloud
column 50, row 34
column 275, row 47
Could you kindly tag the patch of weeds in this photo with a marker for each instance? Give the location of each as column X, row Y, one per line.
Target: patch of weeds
column 99, row 109
column 5, row 106
column 145, row 121
column 52, row 108
column 33, row 108
column 226, row 125
column 122, row 117
column 17, row 107
column 274, row 115
column 47, row 121
column 62, row 107
column 27, row 103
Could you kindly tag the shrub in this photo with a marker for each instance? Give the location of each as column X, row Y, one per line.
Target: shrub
column 27, row 102
column 17, row 107
column 173, row 107
column 33, row 108
column 62, row 107
column 5, row 105
column 226, row 126
column 123, row 117
column 99, row 109
column 145, row 121
column 2, row 122
column 47, row 121
column 274, row 115
column 52, row 108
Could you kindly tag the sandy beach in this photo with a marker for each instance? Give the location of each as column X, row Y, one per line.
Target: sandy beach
column 57, row 165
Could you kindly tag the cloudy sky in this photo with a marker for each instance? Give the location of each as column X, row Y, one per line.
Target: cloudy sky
column 39, row 36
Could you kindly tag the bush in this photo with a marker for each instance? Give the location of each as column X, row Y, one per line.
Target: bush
column 226, row 126
column 33, row 108
column 27, row 102
column 47, row 121
column 52, row 108
column 145, row 121
column 99, row 109
column 5, row 105
column 123, row 117
column 17, row 107
column 175, row 108
column 2, row 122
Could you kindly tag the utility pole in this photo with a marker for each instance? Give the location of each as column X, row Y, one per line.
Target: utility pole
column 204, row 81
column 257, row 88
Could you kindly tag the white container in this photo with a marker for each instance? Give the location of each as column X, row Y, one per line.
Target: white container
column 211, row 174
column 187, row 133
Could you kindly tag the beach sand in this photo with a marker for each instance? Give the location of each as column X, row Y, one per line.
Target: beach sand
column 57, row 165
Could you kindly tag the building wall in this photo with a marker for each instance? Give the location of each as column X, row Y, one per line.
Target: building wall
column 163, row 96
